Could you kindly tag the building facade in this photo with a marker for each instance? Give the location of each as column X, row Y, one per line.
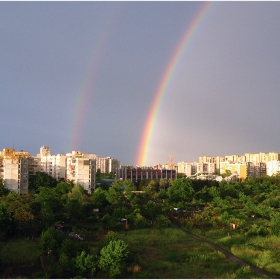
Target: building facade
column 186, row 168
column 81, row 170
column 143, row 173
column 14, row 170
column 273, row 167
column 107, row 164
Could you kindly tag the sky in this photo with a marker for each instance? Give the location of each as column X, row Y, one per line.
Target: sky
column 84, row 75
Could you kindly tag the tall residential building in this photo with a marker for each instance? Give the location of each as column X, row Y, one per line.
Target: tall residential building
column 260, row 169
column 14, row 170
column 76, row 166
column 53, row 165
column 186, row 168
column 81, row 170
column 239, row 169
column 206, row 159
column 273, row 156
column 272, row 167
column 251, row 169
column 107, row 164
column 205, row 167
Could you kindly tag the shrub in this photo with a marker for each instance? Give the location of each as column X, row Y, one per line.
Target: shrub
column 162, row 221
column 139, row 221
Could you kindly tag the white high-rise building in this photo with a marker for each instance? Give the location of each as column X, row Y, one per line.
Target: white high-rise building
column 14, row 170
column 272, row 167
column 81, row 170
column 75, row 166
column 53, row 165
column 185, row 168
column 107, row 164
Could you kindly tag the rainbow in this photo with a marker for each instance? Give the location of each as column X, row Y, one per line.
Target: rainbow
column 81, row 104
column 162, row 88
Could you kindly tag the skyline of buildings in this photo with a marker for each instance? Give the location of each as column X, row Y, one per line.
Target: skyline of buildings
column 17, row 166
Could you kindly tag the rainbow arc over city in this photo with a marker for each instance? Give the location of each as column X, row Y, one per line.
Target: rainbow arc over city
column 164, row 83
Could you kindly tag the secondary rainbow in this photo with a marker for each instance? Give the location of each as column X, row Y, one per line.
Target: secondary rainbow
column 87, row 88
column 169, row 71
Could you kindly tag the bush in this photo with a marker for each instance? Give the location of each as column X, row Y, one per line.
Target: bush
column 139, row 221
column 162, row 221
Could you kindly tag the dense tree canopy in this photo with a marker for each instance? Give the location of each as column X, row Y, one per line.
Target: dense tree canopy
column 181, row 190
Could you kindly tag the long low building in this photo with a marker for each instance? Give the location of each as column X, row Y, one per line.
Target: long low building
column 145, row 173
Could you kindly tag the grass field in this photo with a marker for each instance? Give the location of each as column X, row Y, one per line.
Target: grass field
column 20, row 257
column 155, row 253
column 169, row 253
column 260, row 251
column 19, row 252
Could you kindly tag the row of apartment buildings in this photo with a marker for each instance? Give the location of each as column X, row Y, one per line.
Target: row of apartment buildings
column 248, row 165
column 17, row 167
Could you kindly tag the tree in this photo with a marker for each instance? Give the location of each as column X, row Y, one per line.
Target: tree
column 5, row 218
column 154, row 185
column 114, row 195
column 41, row 179
column 113, row 257
column 163, row 183
column 150, row 210
column 51, row 240
column 78, row 193
column 99, row 197
column 128, row 186
column 214, row 191
column 180, row 190
column 63, row 188
column 275, row 224
column 49, row 198
column 65, row 265
column 50, row 203
column 85, row 265
column 19, row 207
column 162, row 194
column 3, row 190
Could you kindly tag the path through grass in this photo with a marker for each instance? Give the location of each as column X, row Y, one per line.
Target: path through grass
column 170, row 253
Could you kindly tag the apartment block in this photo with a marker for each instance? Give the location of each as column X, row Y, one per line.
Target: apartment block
column 272, row 167
column 53, row 165
column 205, row 167
column 206, row 159
column 81, row 170
column 14, row 170
column 260, row 169
column 240, row 169
column 186, row 168
column 107, row 164
column 273, row 156
column 250, row 169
